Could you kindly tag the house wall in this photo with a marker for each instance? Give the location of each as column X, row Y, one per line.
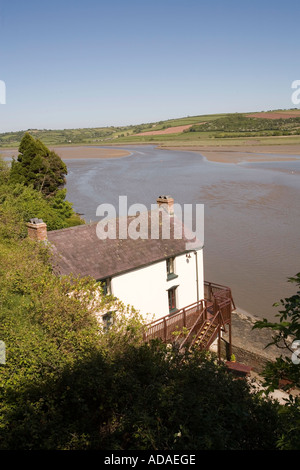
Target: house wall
column 146, row 288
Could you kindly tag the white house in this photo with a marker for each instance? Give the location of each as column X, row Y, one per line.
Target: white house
column 156, row 276
column 163, row 286
column 159, row 275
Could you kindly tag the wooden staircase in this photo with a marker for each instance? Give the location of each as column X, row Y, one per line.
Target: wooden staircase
column 202, row 334
column 206, row 336
column 197, row 325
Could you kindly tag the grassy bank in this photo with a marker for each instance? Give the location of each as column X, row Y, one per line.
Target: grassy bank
column 221, row 130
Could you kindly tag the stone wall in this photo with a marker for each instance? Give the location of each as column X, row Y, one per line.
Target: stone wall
column 248, row 345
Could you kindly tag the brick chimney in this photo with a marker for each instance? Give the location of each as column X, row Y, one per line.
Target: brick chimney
column 167, row 203
column 37, row 230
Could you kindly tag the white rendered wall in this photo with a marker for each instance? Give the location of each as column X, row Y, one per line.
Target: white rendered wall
column 146, row 288
column 187, row 278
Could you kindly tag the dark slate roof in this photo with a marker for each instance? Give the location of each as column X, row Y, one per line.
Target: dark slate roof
column 79, row 251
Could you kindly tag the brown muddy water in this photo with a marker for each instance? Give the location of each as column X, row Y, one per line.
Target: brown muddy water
column 252, row 213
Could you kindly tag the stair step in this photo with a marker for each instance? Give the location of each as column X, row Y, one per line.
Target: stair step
column 200, row 335
column 205, row 334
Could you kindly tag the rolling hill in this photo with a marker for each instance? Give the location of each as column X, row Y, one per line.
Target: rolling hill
column 213, row 129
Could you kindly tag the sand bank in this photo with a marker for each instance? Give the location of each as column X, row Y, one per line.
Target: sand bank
column 237, row 154
column 66, row 153
column 230, row 154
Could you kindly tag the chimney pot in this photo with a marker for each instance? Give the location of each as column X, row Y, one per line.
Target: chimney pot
column 167, row 203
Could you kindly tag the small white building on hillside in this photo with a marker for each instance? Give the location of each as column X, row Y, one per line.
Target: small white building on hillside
column 158, row 272
column 156, row 276
column 163, row 286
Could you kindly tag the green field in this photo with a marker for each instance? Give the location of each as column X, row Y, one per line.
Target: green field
column 208, row 130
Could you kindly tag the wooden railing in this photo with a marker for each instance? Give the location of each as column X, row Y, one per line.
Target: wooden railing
column 194, row 332
column 221, row 297
column 166, row 327
column 204, row 319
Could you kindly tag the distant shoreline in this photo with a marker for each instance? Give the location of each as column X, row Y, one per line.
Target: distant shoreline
column 230, row 154
column 238, row 154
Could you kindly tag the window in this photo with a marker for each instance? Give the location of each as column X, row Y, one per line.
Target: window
column 108, row 320
column 171, row 268
column 172, row 299
column 106, row 286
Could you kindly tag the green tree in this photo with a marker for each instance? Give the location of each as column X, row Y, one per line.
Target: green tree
column 38, row 166
column 64, row 209
column 285, row 370
column 4, row 171
column 48, row 324
column 20, row 203
column 286, row 336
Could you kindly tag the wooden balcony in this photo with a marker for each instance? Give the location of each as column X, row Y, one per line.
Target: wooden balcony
column 200, row 323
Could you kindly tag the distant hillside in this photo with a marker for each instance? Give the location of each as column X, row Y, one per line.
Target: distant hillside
column 240, row 125
column 190, row 130
column 59, row 137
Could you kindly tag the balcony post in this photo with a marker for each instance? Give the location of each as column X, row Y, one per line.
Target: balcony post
column 165, row 329
column 230, row 339
column 219, row 339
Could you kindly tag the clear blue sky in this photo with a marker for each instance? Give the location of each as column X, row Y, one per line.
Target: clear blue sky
column 93, row 63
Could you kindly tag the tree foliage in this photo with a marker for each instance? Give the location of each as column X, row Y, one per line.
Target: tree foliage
column 20, row 201
column 38, row 166
column 284, row 372
column 286, row 336
column 244, row 124
column 49, row 325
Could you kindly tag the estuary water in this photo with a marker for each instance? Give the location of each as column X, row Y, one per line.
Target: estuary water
column 251, row 213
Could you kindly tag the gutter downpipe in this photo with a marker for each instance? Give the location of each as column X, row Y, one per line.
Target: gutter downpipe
column 197, row 280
